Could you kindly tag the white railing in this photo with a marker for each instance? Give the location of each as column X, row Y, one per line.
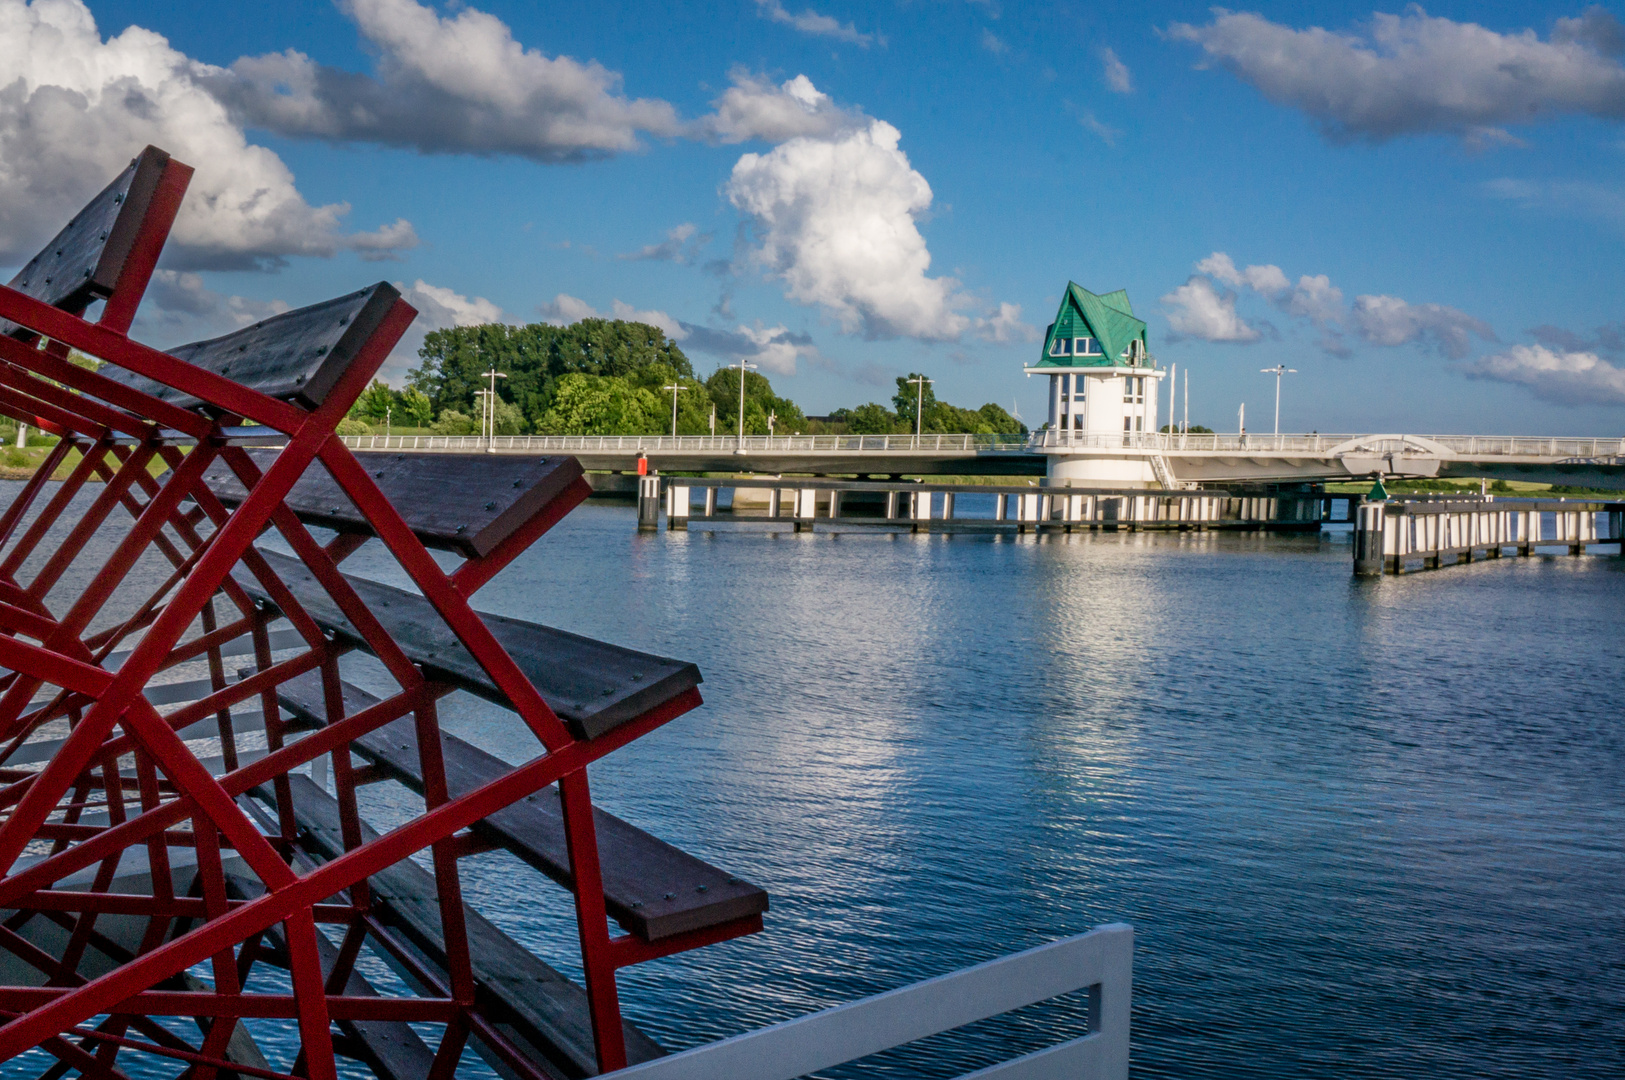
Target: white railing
column 1461, row 446
column 1464, row 446
column 1101, row 960
column 696, row 444
column 1153, row 440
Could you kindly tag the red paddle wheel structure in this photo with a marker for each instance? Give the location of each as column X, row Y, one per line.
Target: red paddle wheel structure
column 166, row 842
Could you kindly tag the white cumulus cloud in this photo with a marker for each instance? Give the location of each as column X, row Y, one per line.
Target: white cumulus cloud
column 1416, row 73
column 179, row 307
column 1388, row 320
column 836, row 221
column 444, row 84
column 1557, row 375
column 1267, row 279
column 754, row 108
column 439, row 308
column 1006, row 325
column 564, row 309
column 75, row 108
column 1196, row 309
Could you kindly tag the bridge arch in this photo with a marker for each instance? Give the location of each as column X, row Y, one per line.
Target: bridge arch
column 1386, row 445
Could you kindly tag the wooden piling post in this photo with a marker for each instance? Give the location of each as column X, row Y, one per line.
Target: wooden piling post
column 710, row 502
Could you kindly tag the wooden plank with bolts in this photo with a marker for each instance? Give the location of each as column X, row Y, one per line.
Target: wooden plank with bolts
column 651, row 888
column 456, row 502
column 593, row 686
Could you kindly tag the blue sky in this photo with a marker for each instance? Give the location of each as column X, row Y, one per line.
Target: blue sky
column 1422, row 212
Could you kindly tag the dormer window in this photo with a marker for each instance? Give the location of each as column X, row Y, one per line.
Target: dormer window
column 1061, row 347
column 1085, row 346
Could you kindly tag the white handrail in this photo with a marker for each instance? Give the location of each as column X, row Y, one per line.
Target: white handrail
column 1101, row 960
column 1468, row 446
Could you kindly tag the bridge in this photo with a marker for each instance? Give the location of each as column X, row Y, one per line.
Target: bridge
column 1128, row 460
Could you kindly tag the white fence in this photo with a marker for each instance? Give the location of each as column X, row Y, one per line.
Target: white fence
column 1464, row 446
column 696, row 444
column 1101, row 960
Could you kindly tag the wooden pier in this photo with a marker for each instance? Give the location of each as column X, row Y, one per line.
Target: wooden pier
column 818, row 503
column 1398, row 536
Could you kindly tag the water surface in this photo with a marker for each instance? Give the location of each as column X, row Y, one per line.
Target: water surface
column 1360, row 827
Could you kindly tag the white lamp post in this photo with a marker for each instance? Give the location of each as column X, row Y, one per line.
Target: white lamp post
column 491, row 410
column 674, row 388
column 1278, row 370
column 919, row 403
column 743, row 366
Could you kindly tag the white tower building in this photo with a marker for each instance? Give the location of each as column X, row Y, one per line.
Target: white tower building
column 1103, row 393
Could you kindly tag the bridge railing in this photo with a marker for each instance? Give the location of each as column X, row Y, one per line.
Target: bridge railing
column 1468, row 446
column 1154, row 440
column 697, row 444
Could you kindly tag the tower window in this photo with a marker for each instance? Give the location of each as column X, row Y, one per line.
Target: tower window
column 1085, row 346
column 1061, row 347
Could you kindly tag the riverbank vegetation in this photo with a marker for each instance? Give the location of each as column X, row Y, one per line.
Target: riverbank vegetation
column 612, row 377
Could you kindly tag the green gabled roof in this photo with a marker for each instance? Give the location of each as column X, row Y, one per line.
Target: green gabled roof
column 1108, row 319
column 1118, row 300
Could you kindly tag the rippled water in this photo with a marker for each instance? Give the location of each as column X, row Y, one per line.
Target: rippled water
column 1361, row 828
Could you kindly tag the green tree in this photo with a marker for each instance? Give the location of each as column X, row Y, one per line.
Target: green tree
column 999, row 422
column 508, row 419
column 414, row 409
column 452, row 422
column 760, row 403
column 908, row 394
column 870, row 419
column 601, row 405
column 374, row 404
column 535, row 357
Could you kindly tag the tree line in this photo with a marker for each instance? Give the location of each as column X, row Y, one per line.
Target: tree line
column 612, row 377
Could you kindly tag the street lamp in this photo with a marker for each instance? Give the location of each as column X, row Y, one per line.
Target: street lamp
column 743, row 366
column 491, row 410
column 919, row 402
column 674, row 388
column 1278, row 370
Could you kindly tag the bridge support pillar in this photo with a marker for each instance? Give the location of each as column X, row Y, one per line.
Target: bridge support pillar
column 676, row 507
column 806, row 508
